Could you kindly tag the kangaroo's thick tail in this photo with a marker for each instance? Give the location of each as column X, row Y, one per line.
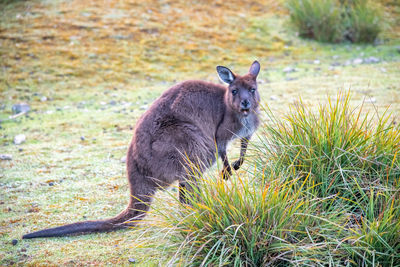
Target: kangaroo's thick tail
column 141, row 195
column 125, row 219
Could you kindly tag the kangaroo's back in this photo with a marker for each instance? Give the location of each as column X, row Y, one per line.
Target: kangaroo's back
column 200, row 103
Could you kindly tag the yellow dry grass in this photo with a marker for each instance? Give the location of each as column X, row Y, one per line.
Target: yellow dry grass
column 123, row 40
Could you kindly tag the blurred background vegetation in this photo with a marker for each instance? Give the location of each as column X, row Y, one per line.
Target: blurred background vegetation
column 320, row 186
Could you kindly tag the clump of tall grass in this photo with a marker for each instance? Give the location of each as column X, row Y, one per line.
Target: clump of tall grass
column 337, row 145
column 335, row 21
column 317, row 19
column 349, row 156
column 363, row 20
column 247, row 223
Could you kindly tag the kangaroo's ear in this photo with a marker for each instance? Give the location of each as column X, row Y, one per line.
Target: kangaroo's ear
column 255, row 68
column 225, row 74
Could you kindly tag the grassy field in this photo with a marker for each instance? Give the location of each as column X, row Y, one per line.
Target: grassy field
column 89, row 69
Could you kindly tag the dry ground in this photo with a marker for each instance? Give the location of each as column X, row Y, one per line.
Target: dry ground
column 89, row 69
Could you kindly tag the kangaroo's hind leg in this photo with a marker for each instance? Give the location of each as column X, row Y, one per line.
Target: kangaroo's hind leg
column 142, row 190
column 189, row 182
column 139, row 204
column 187, row 189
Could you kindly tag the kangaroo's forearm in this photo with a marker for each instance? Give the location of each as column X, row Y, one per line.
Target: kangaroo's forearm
column 227, row 171
column 243, row 148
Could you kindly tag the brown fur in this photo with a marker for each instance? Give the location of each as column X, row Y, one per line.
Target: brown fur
column 186, row 122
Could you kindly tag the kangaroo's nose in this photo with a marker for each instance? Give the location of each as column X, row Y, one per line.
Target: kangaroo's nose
column 245, row 104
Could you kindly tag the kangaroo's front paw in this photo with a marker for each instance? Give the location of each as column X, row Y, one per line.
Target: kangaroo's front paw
column 236, row 165
column 226, row 173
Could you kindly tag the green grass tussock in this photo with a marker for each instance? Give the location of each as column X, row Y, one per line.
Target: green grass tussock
column 347, row 156
column 316, row 19
column 340, row 147
column 358, row 21
column 364, row 20
column 247, row 223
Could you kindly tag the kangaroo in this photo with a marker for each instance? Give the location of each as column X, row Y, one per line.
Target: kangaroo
column 190, row 122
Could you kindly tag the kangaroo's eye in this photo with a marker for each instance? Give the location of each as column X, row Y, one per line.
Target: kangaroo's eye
column 234, row 92
column 252, row 90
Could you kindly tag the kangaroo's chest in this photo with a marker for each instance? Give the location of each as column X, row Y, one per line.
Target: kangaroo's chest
column 247, row 126
column 240, row 128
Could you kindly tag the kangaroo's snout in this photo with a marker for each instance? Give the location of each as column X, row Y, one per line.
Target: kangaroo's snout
column 245, row 104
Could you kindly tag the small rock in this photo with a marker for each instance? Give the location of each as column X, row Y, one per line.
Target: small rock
column 82, row 138
column 316, row 62
column 144, row 107
column 290, row 79
column 132, row 260
column 398, row 49
column 14, row 242
column 273, row 97
column 335, row 57
column 51, row 183
column 371, row 60
column 5, row 157
column 289, row 70
column 120, row 37
column 112, row 102
column 357, row 61
column 371, row 100
column 123, row 159
column 19, row 139
column 383, row 70
column 347, row 63
column 19, row 108
column 126, row 105
column 335, row 64
column 43, row 99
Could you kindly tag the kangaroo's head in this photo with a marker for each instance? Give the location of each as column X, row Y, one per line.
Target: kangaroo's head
column 242, row 94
